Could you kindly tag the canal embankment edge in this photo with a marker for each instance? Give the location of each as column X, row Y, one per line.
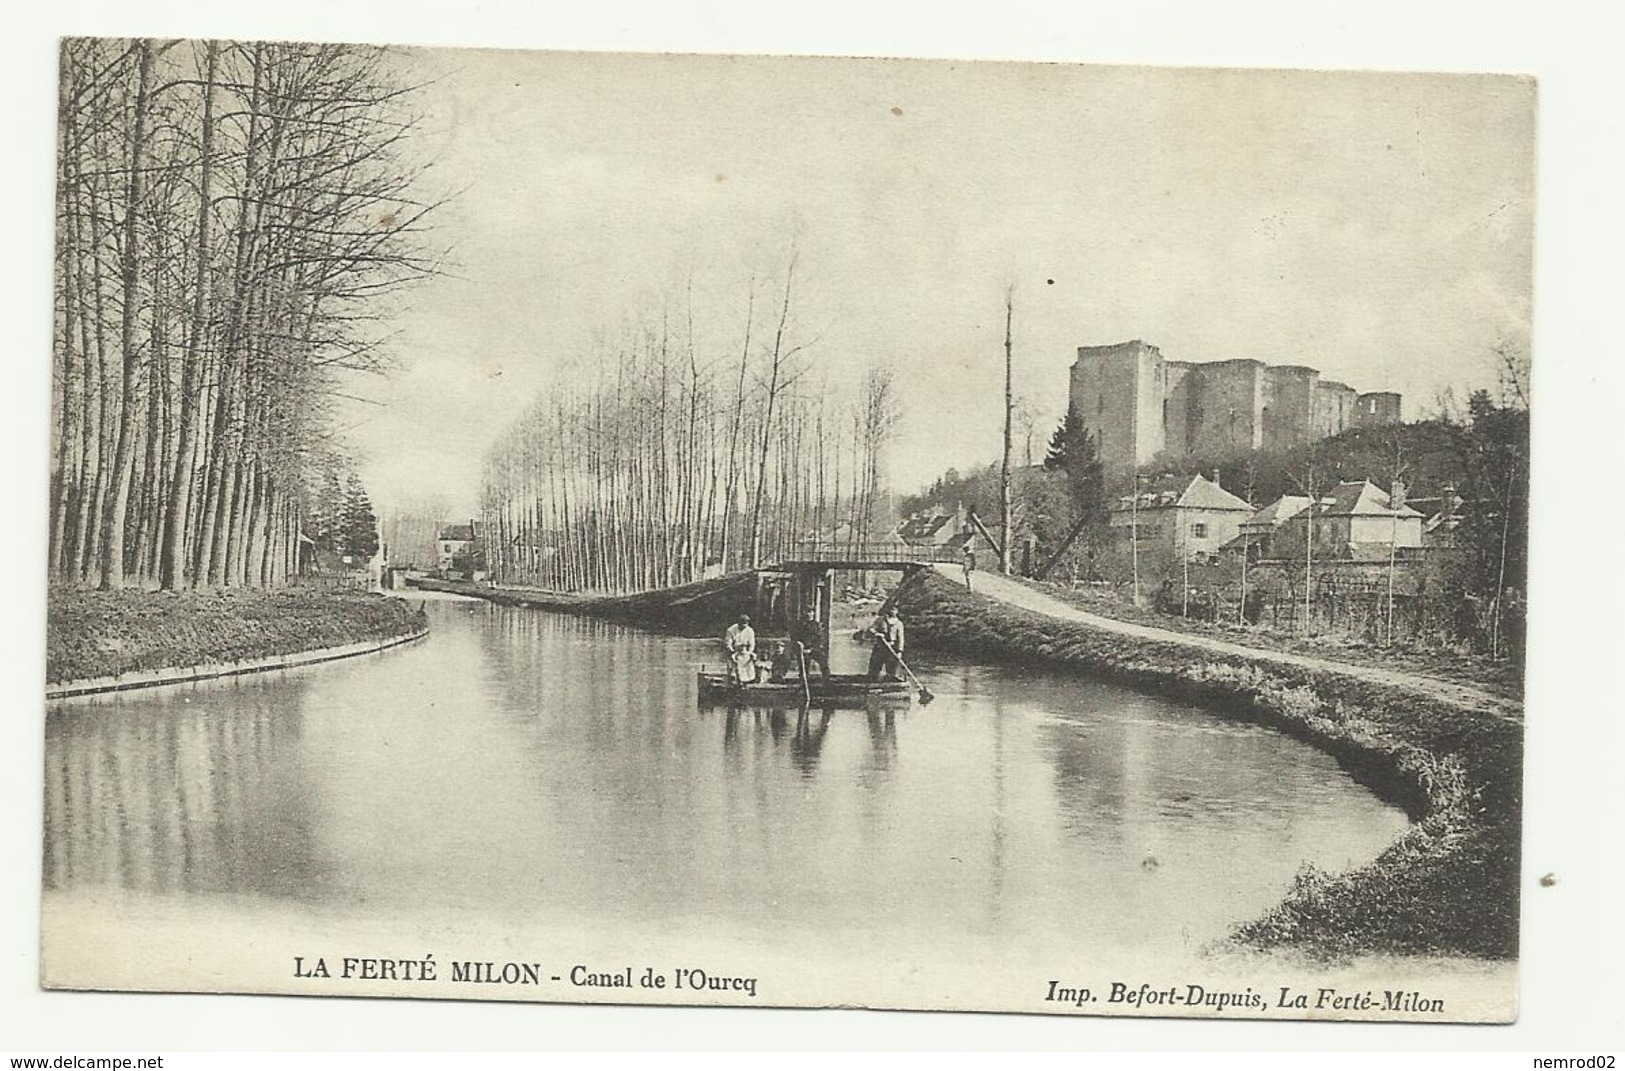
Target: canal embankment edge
column 117, row 640
column 688, row 609
column 1449, row 885
column 186, row 675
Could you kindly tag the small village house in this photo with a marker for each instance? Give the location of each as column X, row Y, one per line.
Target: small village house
column 1189, row 521
column 932, row 528
column 1439, row 530
column 1355, row 522
column 452, row 540
column 948, row 534
column 1258, row 533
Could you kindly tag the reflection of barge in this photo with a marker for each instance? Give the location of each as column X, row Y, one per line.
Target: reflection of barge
column 839, row 688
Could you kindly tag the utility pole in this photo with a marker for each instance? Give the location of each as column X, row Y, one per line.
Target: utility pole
column 1004, row 471
column 1246, row 548
column 1241, row 613
column 1185, row 563
column 1393, row 554
column 1396, row 502
column 1134, row 533
column 1309, row 553
column 1501, row 572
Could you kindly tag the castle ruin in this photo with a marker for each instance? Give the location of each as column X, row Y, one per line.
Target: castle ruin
column 1138, row 404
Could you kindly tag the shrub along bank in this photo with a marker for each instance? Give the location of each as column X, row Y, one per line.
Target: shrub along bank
column 1448, row 885
column 105, row 633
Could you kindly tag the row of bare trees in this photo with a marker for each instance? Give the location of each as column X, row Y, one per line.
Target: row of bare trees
column 229, row 217
column 663, row 462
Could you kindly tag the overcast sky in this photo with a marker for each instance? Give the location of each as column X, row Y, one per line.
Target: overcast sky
column 1375, row 226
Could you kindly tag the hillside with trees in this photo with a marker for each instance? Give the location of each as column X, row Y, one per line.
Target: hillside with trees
column 1477, row 463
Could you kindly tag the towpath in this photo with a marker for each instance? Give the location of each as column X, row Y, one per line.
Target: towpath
column 1009, row 591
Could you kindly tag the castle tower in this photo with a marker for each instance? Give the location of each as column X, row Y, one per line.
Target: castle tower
column 1119, row 391
column 1289, row 405
column 1227, row 405
column 1377, row 407
column 1334, row 408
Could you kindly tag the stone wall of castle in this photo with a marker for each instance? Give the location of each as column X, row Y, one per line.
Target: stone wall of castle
column 1119, row 392
column 1377, row 407
column 1139, row 404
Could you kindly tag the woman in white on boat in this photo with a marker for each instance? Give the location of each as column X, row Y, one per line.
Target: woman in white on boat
column 739, row 644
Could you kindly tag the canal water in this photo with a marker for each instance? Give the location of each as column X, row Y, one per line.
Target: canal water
column 521, row 770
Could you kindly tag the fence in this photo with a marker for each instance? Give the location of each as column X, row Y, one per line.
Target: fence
column 877, row 554
column 332, row 581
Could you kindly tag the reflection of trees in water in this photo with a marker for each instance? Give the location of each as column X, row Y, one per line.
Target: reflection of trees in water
column 197, row 790
column 1134, row 772
column 1090, row 775
column 614, row 684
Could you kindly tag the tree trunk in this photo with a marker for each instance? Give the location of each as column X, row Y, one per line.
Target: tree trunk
column 171, row 567
column 124, row 455
column 1005, row 520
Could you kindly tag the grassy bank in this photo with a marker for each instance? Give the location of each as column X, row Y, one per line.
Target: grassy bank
column 702, row 608
column 1449, row 885
column 105, row 633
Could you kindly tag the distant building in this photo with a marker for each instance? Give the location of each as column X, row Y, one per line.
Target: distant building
column 410, row 537
column 1139, row 404
column 1380, row 407
column 1257, row 534
column 1355, row 522
column 452, row 540
column 1439, row 530
column 931, row 528
column 1189, row 521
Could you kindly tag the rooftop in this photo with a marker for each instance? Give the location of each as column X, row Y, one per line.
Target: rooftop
column 1278, row 511
column 1361, row 498
column 1199, row 493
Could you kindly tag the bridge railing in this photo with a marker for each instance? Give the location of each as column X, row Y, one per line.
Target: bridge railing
column 863, row 553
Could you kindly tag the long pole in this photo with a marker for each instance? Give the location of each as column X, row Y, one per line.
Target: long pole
column 1501, row 573
column 1395, row 502
column 1393, row 557
column 1004, row 470
column 1241, row 613
column 1309, row 556
column 1185, row 562
column 1134, row 533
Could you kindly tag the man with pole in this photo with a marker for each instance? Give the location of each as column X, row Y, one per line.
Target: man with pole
column 886, row 655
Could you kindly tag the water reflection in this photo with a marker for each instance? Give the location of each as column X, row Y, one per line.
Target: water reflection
column 203, row 792
column 801, row 732
column 521, row 765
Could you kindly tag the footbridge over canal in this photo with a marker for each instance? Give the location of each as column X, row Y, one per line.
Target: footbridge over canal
column 802, row 580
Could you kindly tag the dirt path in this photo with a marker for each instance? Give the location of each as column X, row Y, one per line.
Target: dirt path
column 1461, row 695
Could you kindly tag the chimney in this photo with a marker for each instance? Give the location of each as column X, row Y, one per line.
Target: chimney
column 1216, row 482
column 1396, row 498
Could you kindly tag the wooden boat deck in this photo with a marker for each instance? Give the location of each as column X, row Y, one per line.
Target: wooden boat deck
column 839, row 688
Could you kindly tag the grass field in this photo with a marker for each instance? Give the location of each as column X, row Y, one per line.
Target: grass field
column 104, row 633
